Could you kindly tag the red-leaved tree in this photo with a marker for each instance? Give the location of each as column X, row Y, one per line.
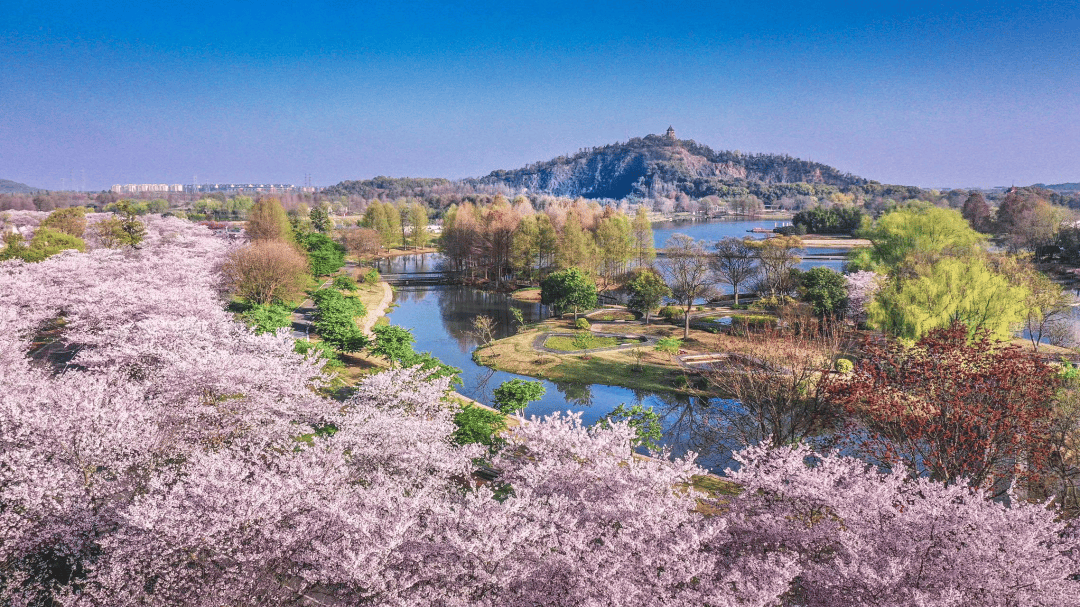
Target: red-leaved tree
column 951, row 408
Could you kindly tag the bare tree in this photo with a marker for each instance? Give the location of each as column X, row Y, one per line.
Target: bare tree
column 362, row 242
column 483, row 328
column 685, row 267
column 774, row 386
column 778, row 256
column 734, row 263
column 266, row 271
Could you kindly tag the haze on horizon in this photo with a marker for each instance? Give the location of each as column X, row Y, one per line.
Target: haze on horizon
column 954, row 95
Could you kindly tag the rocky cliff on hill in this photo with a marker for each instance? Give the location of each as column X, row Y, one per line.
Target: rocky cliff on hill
column 657, row 165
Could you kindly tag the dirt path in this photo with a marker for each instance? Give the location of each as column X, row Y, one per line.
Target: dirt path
column 375, row 314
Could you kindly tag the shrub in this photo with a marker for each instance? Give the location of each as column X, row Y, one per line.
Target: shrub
column 371, row 277
column 319, row 349
column 748, row 323
column 45, row 243
column 669, row 345
column 267, row 318
column 844, row 366
column 344, row 283
column 583, row 340
column 71, row 220
column 582, row 324
column 671, row 312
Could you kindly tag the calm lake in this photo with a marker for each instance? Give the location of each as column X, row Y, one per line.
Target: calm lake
column 440, row 316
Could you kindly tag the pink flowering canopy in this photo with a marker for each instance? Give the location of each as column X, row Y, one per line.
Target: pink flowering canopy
column 155, row 452
column 862, row 287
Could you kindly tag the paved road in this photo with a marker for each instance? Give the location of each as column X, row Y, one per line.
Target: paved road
column 302, row 315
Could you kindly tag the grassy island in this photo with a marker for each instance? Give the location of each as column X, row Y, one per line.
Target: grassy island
column 553, row 350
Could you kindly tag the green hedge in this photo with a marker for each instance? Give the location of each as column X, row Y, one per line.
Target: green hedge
column 749, row 323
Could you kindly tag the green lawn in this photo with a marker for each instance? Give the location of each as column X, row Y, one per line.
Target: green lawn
column 611, row 316
column 566, row 343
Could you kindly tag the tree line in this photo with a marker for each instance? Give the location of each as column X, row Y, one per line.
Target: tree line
column 504, row 240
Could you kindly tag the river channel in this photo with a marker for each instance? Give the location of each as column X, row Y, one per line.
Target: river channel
column 440, row 316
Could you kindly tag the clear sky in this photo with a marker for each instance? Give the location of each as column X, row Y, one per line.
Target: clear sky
column 933, row 94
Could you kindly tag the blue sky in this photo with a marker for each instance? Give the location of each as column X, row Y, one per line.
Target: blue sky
column 931, row 94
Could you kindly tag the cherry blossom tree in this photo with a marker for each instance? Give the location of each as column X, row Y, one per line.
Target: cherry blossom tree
column 867, row 538
column 862, row 286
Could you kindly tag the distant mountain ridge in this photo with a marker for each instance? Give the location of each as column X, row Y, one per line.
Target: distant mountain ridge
column 657, row 165
column 14, row 187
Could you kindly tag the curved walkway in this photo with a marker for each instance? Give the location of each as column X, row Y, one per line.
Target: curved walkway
column 301, row 316
column 375, row 314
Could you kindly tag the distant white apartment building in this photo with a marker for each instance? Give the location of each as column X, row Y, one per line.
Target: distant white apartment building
column 134, row 188
column 242, row 188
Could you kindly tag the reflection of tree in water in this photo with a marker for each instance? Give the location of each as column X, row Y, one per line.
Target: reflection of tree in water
column 483, row 385
column 576, row 393
column 402, row 295
column 407, row 294
column 695, row 424
column 459, row 305
column 427, row 262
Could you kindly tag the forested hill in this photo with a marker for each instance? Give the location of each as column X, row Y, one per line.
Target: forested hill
column 14, row 187
column 1059, row 187
column 390, row 188
column 656, row 165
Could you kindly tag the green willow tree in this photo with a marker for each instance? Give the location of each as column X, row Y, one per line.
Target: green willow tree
column 933, row 295
column 913, row 229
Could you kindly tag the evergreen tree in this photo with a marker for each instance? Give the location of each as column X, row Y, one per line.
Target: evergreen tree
column 568, row 289
column 647, row 291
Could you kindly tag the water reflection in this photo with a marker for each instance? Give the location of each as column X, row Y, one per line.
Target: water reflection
column 693, row 424
column 420, row 262
column 577, row 393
